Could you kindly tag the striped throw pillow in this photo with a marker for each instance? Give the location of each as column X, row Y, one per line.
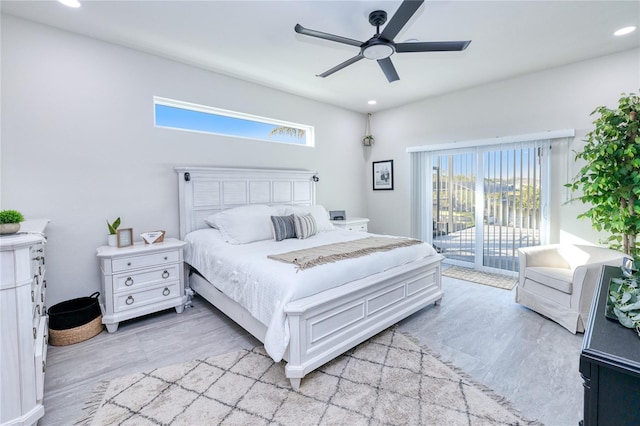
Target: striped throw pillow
column 305, row 226
column 283, row 227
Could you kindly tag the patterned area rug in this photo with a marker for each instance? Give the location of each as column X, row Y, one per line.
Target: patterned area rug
column 486, row 278
column 388, row 380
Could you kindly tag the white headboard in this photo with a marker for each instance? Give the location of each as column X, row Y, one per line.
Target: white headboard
column 203, row 191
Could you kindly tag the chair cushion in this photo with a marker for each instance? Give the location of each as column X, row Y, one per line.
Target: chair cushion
column 557, row 278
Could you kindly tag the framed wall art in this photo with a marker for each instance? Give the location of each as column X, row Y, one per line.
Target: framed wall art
column 382, row 175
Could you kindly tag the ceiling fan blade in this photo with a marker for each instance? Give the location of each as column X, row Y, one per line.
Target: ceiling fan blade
column 400, row 18
column 340, row 66
column 326, row 36
column 432, row 46
column 388, row 69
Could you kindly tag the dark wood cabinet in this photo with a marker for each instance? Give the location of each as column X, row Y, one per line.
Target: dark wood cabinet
column 609, row 365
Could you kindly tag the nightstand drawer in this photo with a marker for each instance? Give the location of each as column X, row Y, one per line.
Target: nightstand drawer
column 135, row 262
column 122, row 282
column 360, row 228
column 131, row 300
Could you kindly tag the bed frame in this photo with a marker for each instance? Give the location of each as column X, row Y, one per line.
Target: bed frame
column 324, row 325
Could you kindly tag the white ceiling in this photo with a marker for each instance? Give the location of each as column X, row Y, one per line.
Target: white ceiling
column 255, row 40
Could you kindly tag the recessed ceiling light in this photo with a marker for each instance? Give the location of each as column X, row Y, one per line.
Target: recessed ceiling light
column 70, row 3
column 372, row 102
column 625, row 30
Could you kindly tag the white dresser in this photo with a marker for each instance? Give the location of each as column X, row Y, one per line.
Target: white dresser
column 352, row 224
column 141, row 279
column 23, row 324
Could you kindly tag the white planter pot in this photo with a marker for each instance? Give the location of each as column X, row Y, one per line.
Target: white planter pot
column 9, row 228
column 112, row 240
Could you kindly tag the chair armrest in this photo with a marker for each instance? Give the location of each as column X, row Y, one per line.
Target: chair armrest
column 585, row 281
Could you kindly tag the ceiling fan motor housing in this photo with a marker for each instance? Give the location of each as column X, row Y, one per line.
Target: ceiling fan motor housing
column 377, row 18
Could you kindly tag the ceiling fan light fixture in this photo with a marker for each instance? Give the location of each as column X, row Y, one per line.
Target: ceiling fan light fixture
column 625, row 30
column 377, row 51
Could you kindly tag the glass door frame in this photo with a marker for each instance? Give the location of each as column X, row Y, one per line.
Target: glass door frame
column 543, row 148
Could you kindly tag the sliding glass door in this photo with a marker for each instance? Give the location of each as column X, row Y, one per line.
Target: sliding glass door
column 488, row 202
column 454, row 205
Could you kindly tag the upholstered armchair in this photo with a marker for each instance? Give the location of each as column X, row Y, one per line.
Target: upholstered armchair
column 559, row 280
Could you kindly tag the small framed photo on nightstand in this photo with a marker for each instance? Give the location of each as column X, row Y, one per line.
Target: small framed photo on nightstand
column 125, row 237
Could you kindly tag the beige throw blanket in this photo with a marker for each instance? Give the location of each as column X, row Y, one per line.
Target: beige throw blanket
column 314, row 256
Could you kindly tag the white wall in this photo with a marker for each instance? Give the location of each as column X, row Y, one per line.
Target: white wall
column 553, row 99
column 79, row 146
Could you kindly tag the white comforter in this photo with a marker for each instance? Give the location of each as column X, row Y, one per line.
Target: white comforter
column 264, row 286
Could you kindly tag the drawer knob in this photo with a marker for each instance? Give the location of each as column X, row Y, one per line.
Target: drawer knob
column 165, row 274
column 166, row 291
column 128, row 263
column 35, row 332
column 128, row 282
column 166, row 258
column 129, row 300
column 37, row 258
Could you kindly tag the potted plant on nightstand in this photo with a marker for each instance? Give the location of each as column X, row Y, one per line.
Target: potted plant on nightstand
column 112, row 238
column 10, row 221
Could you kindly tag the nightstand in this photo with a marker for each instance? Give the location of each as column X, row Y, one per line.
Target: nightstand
column 352, row 224
column 141, row 279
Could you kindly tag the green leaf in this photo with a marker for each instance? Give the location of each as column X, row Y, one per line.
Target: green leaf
column 632, row 307
column 623, row 318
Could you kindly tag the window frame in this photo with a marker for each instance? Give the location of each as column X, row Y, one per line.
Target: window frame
column 309, row 138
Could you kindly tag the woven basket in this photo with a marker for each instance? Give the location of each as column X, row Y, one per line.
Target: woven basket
column 75, row 320
column 76, row 334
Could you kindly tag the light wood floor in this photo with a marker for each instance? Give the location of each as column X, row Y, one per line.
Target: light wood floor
column 522, row 356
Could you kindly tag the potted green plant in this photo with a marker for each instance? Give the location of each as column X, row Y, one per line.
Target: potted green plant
column 623, row 303
column 112, row 238
column 10, row 221
column 367, row 139
column 610, row 180
column 609, row 183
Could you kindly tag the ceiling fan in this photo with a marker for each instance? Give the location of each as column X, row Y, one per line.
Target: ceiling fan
column 381, row 46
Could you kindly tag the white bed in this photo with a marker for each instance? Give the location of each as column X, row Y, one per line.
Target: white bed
column 305, row 327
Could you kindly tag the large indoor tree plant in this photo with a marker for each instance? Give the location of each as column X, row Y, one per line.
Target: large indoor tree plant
column 609, row 183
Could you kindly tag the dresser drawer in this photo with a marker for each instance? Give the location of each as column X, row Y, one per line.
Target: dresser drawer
column 135, row 299
column 40, row 359
column 143, row 261
column 124, row 282
column 359, row 228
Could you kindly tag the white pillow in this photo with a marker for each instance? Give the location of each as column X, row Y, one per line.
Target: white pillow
column 211, row 220
column 281, row 209
column 245, row 224
column 320, row 215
